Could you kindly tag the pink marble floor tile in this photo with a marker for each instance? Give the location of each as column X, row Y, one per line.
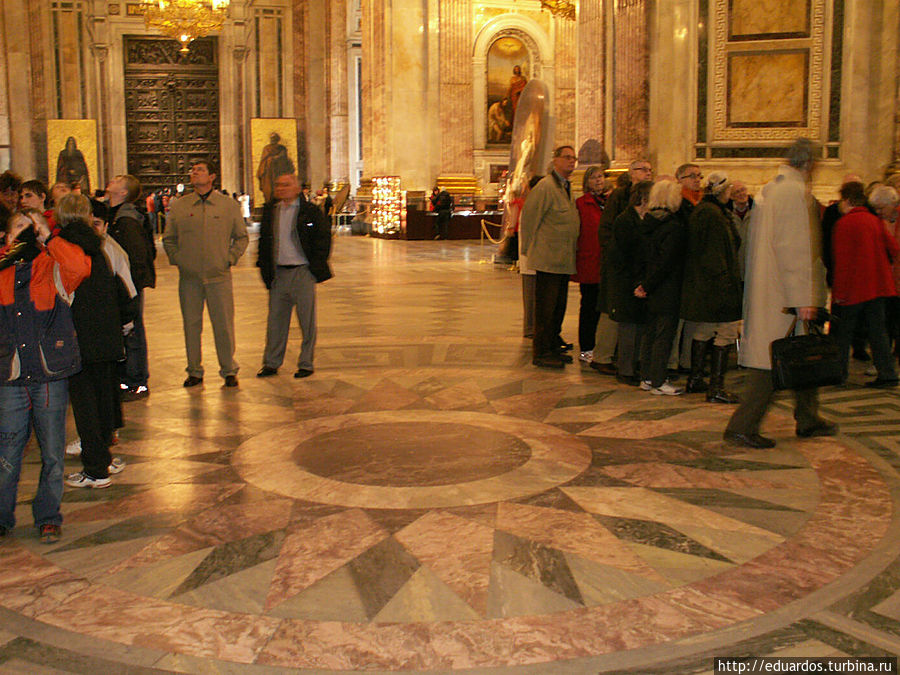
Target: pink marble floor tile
column 177, row 497
column 312, row 552
column 640, row 429
column 387, row 395
column 457, row 550
column 463, row 395
column 129, row 619
column 655, row 475
column 534, row 405
column 577, row 533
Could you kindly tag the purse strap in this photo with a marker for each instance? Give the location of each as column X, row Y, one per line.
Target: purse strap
column 793, row 326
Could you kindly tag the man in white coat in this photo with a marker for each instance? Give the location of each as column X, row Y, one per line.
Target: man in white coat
column 784, row 272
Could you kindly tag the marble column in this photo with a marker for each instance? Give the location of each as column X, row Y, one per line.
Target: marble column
column 565, row 48
column 376, row 30
column 631, row 84
column 339, row 93
column 300, row 14
column 100, row 54
column 456, row 115
column 16, row 23
column 591, row 73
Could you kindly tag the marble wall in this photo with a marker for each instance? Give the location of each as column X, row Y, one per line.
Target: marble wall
column 631, row 79
column 590, row 96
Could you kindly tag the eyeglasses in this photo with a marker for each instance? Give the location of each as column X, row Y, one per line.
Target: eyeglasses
column 698, row 176
column 572, row 157
column 643, row 168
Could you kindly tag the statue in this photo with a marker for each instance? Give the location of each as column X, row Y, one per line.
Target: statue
column 273, row 162
column 71, row 168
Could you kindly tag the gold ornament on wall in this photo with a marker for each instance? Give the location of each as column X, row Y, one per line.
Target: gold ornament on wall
column 72, row 153
column 185, row 20
column 564, row 9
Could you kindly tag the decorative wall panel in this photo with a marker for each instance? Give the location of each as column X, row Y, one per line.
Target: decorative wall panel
column 631, row 79
column 768, row 89
column 171, row 108
column 768, row 19
column 768, row 74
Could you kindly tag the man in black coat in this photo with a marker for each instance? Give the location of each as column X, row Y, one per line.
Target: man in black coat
column 294, row 245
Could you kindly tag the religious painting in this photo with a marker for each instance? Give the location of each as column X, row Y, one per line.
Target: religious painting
column 508, row 71
column 273, row 144
column 497, row 171
column 72, row 153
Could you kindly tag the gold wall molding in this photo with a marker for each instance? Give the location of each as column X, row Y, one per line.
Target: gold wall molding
column 723, row 50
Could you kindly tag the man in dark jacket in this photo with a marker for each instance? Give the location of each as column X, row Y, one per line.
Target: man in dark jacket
column 126, row 226
column 294, row 245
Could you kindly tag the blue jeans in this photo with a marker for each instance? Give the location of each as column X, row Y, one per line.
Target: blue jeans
column 134, row 370
column 43, row 405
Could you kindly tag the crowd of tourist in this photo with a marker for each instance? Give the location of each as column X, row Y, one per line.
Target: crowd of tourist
column 73, row 272
column 662, row 268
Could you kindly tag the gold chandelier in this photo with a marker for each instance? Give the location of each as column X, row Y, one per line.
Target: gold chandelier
column 565, row 9
column 185, row 20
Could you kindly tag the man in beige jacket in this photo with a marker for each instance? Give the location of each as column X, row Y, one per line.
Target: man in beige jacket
column 205, row 237
column 549, row 229
column 784, row 271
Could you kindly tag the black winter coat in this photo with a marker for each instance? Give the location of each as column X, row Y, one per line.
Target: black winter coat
column 127, row 228
column 666, row 241
column 712, row 291
column 314, row 231
column 99, row 304
column 624, row 269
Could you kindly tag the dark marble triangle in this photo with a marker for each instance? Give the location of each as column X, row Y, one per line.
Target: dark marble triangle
column 594, row 476
column 394, row 520
column 421, row 404
column 248, row 494
column 584, row 399
column 133, row 528
column 574, row 428
column 231, row 557
column 505, row 390
column 658, row 535
column 226, row 474
column 347, row 390
column 723, row 498
column 432, row 385
column 304, row 513
column 114, row 492
column 554, row 499
column 540, row 563
column 380, row 572
column 728, row 464
column 217, row 457
column 651, row 415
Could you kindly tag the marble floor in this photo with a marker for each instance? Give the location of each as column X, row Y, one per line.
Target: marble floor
column 429, row 502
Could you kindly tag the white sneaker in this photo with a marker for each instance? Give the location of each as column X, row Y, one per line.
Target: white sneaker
column 116, row 466
column 646, row 385
column 82, row 480
column 667, row 389
column 586, row 357
column 74, row 448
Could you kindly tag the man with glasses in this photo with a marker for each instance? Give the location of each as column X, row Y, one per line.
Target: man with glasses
column 689, row 177
column 549, row 229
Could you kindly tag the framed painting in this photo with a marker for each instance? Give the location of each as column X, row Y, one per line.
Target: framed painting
column 273, row 144
column 508, row 71
column 72, row 154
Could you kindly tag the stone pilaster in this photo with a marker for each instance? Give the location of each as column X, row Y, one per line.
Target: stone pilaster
column 375, row 95
column 300, row 21
column 338, row 100
column 456, row 115
column 631, row 78
column 565, row 50
column 19, row 86
column 591, row 73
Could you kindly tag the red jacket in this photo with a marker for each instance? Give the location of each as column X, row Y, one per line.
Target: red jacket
column 862, row 250
column 588, row 254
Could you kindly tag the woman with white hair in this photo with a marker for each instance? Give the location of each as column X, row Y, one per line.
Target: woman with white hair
column 885, row 201
column 666, row 242
column 712, row 291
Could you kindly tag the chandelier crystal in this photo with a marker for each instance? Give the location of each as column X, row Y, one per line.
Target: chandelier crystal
column 185, row 20
column 564, row 9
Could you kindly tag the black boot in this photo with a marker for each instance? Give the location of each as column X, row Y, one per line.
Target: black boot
column 695, row 383
column 717, row 368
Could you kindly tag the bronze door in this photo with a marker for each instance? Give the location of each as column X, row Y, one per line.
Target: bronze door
column 171, row 108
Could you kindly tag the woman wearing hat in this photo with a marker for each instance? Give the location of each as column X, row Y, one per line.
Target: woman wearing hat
column 712, row 292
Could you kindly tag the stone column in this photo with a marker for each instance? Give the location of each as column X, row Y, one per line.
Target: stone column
column 100, row 52
column 19, row 62
column 631, row 79
column 591, row 73
column 338, row 105
column 376, row 31
column 565, row 50
column 456, row 117
column 300, row 14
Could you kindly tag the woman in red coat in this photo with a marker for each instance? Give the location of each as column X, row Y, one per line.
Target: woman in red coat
column 588, row 257
column 863, row 280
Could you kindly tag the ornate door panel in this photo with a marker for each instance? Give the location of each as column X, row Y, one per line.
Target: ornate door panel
column 171, row 108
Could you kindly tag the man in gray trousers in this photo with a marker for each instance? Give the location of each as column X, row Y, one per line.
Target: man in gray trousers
column 205, row 238
column 294, row 245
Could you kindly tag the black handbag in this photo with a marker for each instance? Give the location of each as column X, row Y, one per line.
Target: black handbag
column 806, row 361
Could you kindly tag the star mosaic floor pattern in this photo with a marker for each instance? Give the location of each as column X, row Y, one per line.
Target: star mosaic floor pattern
column 429, row 502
